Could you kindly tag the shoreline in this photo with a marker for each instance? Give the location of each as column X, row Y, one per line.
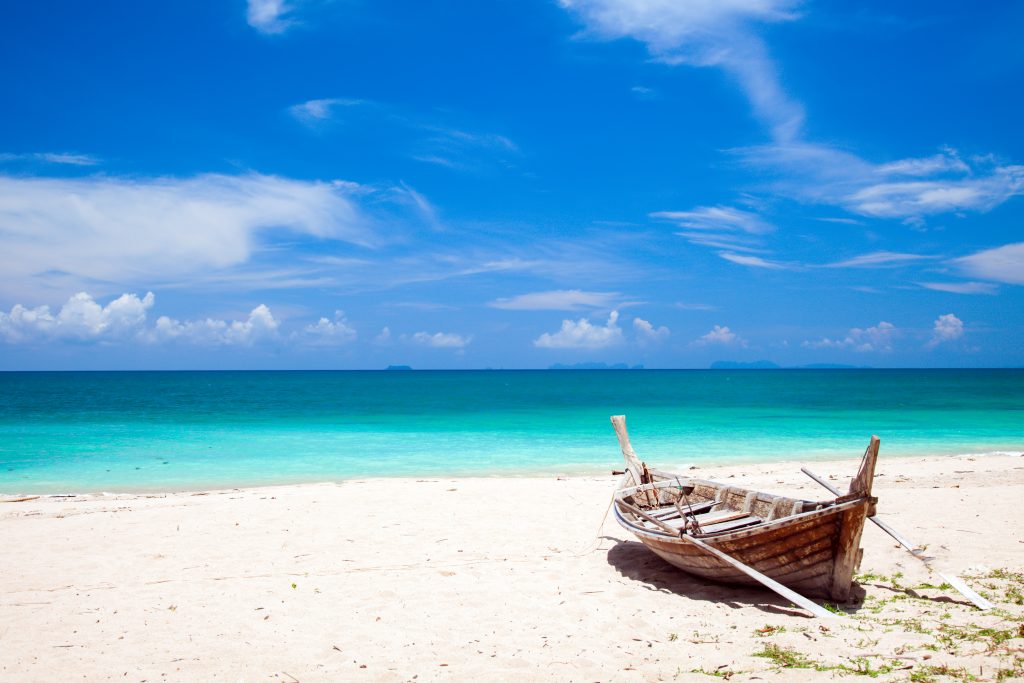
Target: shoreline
column 485, row 578
column 696, row 467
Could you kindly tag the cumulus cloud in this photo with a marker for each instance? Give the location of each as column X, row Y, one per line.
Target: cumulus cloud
column 442, row 340
column 878, row 338
column 947, row 328
column 720, row 335
column 582, row 334
column 705, row 33
column 259, row 326
column 556, row 300
column 1002, row 264
column 80, row 318
column 329, row 332
column 646, row 332
column 269, row 16
column 119, row 229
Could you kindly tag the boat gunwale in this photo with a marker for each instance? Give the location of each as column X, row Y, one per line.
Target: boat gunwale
column 746, row 532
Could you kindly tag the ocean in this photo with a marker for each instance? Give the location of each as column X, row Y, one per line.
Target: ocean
column 144, row 431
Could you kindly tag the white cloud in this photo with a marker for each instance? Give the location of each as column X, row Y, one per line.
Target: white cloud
column 878, row 259
column 646, row 332
column 752, row 261
column 442, row 340
column 80, row 318
column 384, row 337
column 948, row 161
column 259, row 326
column 269, row 16
column 557, row 300
column 962, row 287
column 921, row 198
column 582, row 334
column 947, row 328
column 717, row 219
column 329, row 332
column 705, row 33
column 120, row 229
column 686, row 306
column 313, row 112
column 1002, row 264
column 720, row 335
column 877, row 338
column 65, row 158
column 909, row 189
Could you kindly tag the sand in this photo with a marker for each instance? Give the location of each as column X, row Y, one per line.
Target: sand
column 488, row 579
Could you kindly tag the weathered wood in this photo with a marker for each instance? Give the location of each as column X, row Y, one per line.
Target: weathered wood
column 805, row 545
column 793, row 596
column 634, row 465
column 955, row 581
column 640, row 513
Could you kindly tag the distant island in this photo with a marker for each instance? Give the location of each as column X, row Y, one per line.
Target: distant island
column 594, row 366
column 769, row 365
column 398, row 367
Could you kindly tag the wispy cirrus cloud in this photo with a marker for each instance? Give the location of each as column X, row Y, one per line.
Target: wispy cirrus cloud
column 706, row 33
column 108, row 229
column 557, row 300
column 1001, row 264
column 754, row 261
column 423, row 137
column 910, row 190
column 269, row 16
column 962, row 287
column 878, row 259
column 313, row 113
column 64, row 158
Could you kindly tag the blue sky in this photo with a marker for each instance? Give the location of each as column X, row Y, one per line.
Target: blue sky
column 352, row 184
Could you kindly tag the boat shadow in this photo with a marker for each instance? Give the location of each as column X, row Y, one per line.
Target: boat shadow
column 635, row 561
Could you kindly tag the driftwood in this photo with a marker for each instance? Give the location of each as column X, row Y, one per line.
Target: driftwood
column 808, row 548
column 954, row 581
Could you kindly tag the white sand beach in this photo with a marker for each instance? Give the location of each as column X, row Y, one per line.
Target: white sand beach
column 489, row 579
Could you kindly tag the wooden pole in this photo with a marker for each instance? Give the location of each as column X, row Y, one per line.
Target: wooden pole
column 954, row 581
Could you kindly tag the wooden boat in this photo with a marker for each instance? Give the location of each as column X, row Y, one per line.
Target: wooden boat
column 735, row 535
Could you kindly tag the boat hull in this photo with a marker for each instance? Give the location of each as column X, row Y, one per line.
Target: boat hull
column 800, row 552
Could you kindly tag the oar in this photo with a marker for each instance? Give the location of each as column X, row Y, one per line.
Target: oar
column 792, row 596
column 954, row 581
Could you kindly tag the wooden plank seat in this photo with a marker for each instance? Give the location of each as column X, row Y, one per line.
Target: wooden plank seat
column 730, row 525
column 672, row 511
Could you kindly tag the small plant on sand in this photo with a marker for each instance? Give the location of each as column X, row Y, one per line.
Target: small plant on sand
column 768, row 630
column 929, row 674
column 672, row 637
column 785, row 657
column 721, row 672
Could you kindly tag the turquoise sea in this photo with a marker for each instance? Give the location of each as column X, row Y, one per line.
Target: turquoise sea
column 133, row 431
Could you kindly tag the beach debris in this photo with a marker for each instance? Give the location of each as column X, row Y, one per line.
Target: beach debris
column 20, row 500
